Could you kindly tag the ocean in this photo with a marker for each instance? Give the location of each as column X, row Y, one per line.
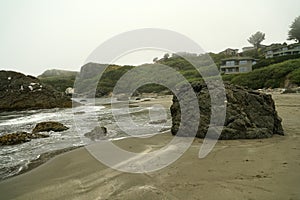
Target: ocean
column 80, row 120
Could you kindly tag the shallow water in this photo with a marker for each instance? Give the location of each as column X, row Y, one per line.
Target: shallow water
column 80, row 120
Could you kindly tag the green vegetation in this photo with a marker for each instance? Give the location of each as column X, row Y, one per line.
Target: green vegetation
column 109, row 79
column 269, row 61
column 256, row 39
column 59, row 83
column 58, row 79
column 267, row 73
column 272, row 76
column 295, row 76
column 294, row 32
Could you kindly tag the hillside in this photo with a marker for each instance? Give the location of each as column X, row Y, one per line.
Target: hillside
column 89, row 75
column 60, row 80
column 57, row 72
column 284, row 74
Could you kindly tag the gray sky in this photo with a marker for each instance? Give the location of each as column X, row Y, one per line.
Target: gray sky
column 37, row 35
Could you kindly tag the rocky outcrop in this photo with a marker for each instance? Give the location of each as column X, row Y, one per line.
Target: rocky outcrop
column 97, row 133
column 20, row 92
column 249, row 114
column 22, row 137
column 19, row 138
column 49, row 126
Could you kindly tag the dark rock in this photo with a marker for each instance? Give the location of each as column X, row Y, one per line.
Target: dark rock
column 249, row 114
column 20, row 92
column 97, row 133
column 49, row 126
column 19, row 138
column 161, row 121
column 79, row 113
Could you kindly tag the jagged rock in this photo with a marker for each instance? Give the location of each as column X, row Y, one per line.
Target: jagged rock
column 20, row 92
column 249, row 114
column 97, row 133
column 49, row 126
column 19, row 138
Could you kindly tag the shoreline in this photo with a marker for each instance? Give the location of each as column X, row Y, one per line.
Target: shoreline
column 238, row 169
column 43, row 158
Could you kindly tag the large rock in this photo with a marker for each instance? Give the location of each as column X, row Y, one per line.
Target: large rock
column 49, row 126
column 249, row 114
column 20, row 92
column 19, row 138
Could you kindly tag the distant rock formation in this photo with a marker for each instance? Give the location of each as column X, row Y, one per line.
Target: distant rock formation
column 49, row 126
column 249, row 114
column 57, row 72
column 20, row 92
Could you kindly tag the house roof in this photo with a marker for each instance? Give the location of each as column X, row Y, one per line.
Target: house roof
column 239, row 58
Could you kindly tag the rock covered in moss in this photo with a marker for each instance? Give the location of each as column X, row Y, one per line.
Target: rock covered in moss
column 19, row 138
column 21, row 92
column 49, row 126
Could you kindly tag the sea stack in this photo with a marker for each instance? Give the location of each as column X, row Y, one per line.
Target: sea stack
column 249, row 114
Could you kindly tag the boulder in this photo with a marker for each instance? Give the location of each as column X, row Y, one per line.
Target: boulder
column 21, row 92
column 97, row 133
column 19, row 138
column 249, row 114
column 49, row 126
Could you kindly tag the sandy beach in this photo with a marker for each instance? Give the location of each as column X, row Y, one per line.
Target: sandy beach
column 237, row 169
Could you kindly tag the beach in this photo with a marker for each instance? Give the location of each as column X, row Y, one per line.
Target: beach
column 235, row 169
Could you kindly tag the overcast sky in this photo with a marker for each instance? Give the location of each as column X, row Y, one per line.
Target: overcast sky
column 36, row 35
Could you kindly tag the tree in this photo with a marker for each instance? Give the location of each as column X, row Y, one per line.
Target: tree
column 166, row 56
column 294, row 32
column 256, row 39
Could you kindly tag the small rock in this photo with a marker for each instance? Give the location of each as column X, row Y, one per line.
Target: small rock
column 97, row 133
column 160, row 121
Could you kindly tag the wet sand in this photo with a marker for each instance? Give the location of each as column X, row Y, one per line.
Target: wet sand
column 237, row 169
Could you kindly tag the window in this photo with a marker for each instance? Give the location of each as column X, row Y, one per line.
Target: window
column 244, row 69
column 242, row 62
column 229, row 63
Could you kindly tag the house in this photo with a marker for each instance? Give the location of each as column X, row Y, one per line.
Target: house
column 282, row 50
column 230, row 52
column 235, row 65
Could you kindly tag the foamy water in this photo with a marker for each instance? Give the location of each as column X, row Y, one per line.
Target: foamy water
column 80, row 120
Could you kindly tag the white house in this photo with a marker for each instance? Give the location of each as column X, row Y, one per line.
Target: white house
column 235, row 65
